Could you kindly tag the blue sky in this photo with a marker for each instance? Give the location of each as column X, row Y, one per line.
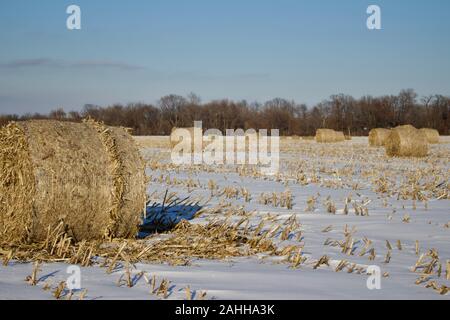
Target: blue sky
column 140, row 50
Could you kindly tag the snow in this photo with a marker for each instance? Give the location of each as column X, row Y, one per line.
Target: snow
column 263, row 277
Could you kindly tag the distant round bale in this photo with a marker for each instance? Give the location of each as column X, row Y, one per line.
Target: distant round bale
column 339, row 136
column 86, row 176
column 378, row 136
column 431, row 134
column 329, row 136
column 406, row 141
column 325, row 136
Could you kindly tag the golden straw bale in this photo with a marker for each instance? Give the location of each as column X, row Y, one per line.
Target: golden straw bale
column 126, row 166
column 129, row 130
column 406, row 141
column 86, row 176
column 339, row 136
column 431, row 134
column 325, row 135
column 329, row 136
column 144, row 142
column 378, row 136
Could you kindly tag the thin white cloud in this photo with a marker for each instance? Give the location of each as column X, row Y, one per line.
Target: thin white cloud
column 55, row 63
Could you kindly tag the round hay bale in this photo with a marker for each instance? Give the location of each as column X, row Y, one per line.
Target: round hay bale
column 339, row 136
column 325, row 136
column 431, row 134
column 406, row 141
column 86, row 176
column 329, row 136
column 378, row 136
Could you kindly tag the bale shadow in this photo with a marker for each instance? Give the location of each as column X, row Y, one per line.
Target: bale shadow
column 163, row 218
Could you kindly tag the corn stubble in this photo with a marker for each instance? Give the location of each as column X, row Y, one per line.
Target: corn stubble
column 222, row 237
column 219, row 239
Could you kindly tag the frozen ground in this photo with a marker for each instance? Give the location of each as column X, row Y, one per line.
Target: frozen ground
column 401, row 201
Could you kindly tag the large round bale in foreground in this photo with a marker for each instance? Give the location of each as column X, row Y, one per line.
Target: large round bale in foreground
column 431, row 134
column 406, row 141
column 86, row 176
column 378, row 136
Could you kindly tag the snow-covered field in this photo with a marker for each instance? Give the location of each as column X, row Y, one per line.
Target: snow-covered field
column 353, row 208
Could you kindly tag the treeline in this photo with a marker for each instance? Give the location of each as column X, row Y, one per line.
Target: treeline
column 340, row 112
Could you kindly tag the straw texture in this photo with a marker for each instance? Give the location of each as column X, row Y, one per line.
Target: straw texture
column 378, row 136
column 431, row 134
column 406, row 141
column 84, row 175
column 329, row 136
